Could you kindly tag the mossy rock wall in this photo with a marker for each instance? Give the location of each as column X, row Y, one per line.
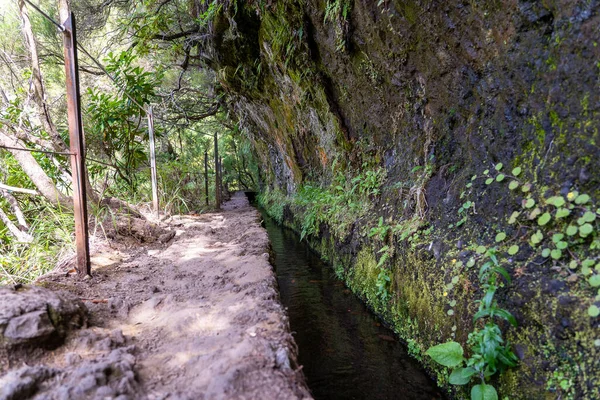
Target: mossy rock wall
column 436, row 92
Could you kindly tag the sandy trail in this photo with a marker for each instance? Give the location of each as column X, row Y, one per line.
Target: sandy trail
column 198, row 318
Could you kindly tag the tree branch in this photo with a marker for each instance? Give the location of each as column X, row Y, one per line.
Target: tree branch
column 17, row 189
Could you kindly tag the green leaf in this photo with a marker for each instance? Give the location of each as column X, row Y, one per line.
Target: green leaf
column 507, row 316
column 481, row 249
column 450, row 312
column 556, row 201
column 546, row 253
column 487, row 171
column 498, row 166
column 461, row 376
column 489, row 181
column 571, row 230
column 562, row 212
column 556, row 254
column 593, row 311
column 585, row 230
column 513, row 217
column 513, row 185
column 537, row 237
column 500, row 237
column 594, row 280
column 455, row 280
column 582, row 199
column 512, row 250
column 589, row 216
column 588, row 262
column 483, row 392
column 573, row 264
column 544, row 219
column 557, row 237
column 448, row 354
column 529, row 203
column 516, row 171
column 526, row 187
column 500, row 177
column 534, row 213
column 562, row 245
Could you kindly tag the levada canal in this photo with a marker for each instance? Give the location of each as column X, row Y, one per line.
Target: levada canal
column 345, row 351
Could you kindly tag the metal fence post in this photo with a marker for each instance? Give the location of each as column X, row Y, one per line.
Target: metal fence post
column 153, row 162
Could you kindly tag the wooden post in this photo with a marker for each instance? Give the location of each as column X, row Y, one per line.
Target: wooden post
column 153, row 162
column 217, row 188
column 77, row 147
column 206, row 175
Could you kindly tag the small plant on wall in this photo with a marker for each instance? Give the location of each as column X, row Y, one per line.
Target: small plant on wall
column 490, row 354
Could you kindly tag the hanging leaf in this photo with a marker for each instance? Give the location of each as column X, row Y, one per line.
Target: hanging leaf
column 516, row 171
column 461, row 376
column 448, row 354
column 483, row 392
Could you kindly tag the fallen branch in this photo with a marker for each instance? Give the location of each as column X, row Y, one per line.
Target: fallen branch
column 21, row 236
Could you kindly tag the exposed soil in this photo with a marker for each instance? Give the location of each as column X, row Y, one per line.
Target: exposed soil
column 198, row 317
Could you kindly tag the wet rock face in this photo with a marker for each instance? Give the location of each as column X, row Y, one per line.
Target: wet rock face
column 37, row 317
column 436, row 92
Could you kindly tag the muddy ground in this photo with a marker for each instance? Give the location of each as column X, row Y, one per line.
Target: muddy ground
column 197, row 317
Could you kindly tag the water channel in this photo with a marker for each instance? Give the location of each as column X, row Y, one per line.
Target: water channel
column 345, row 351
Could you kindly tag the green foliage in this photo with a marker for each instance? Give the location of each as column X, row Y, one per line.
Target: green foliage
column 381, row 230
column 338, row 204
column 115, row 120
column 382, row 284
column 338, row 12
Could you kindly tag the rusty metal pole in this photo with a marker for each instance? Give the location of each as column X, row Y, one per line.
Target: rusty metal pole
column 206, row 175
column 153, row 162
column 77, row 147
column 217, row 188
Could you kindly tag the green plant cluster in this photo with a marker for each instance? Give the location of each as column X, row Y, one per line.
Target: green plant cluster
column 489, row 352
column 561, row 229
column 339, row 204
column 338, row 13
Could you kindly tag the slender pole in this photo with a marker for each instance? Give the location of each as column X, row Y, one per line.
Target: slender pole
column 153, row 162
column 206, row 175
column 221, row 177
column 217, row 188
column 77, row 148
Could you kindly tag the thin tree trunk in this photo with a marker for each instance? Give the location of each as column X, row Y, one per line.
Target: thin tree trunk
column 39, row 93
column 37, row 175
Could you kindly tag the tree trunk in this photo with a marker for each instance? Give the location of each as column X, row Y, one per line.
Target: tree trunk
column 39, row 94
column 37, row 175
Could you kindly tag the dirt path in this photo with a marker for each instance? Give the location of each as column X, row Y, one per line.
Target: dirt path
column 197, row 318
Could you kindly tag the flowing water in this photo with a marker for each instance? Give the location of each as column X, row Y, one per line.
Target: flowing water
column 344, row 350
